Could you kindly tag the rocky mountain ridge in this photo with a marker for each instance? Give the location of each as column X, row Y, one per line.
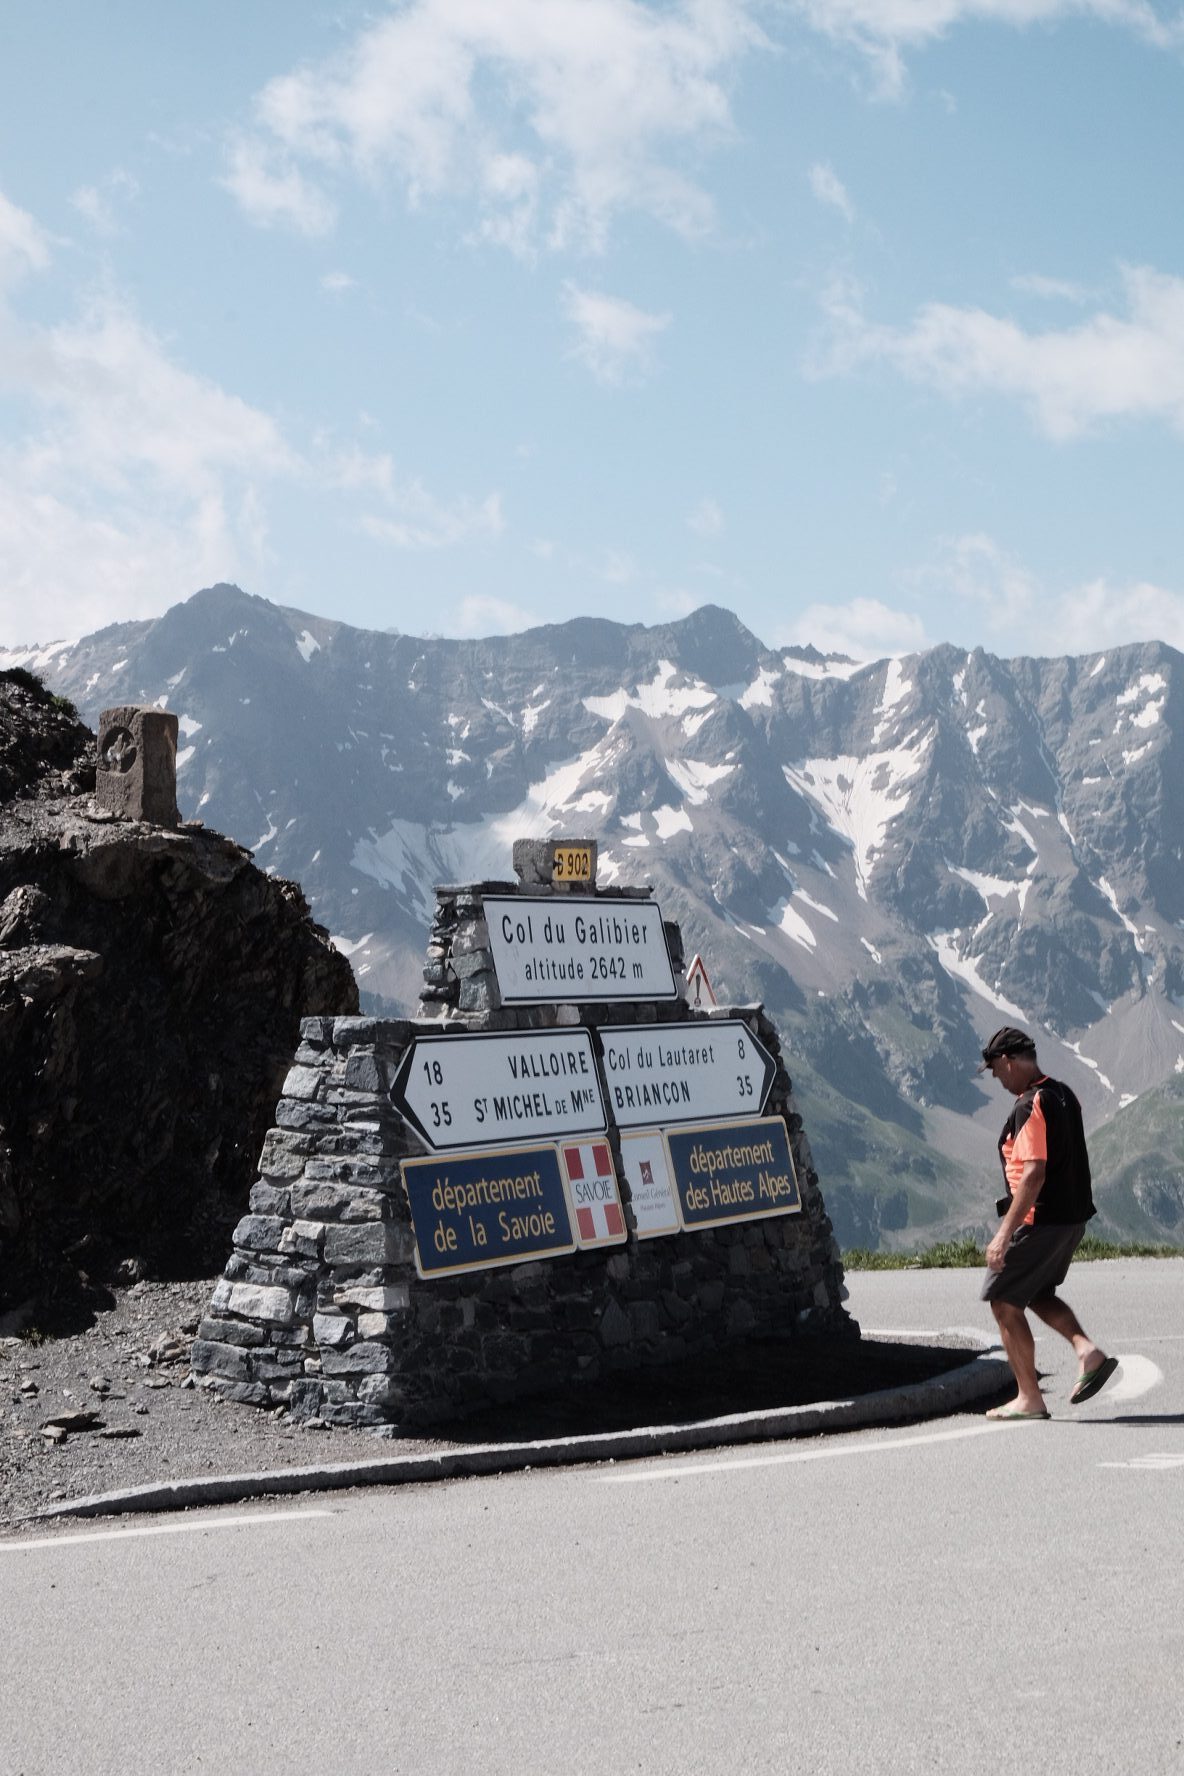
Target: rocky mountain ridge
column 152, row 983
column 895, row 857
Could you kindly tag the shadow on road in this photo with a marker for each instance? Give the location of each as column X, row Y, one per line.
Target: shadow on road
column 759, row 1376
column 1136, row 1418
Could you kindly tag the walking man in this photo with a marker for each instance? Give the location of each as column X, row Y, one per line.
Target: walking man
column 1048, row 1202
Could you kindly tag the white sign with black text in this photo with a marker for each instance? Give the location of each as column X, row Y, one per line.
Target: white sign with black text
column 693, row 1072
column 573, row 949
column 513, row 1086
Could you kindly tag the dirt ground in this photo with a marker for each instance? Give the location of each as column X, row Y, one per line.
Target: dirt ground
column 146, row 1419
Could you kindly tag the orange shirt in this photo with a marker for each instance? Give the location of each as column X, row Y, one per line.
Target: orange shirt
column 1030, row 1143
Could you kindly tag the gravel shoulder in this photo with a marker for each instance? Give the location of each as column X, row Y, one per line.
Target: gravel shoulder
column 145, row 1419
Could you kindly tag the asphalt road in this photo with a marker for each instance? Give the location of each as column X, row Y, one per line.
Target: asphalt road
column 952, row 1596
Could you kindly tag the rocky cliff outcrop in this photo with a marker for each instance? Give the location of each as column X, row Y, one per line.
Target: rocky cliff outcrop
column 152, row 983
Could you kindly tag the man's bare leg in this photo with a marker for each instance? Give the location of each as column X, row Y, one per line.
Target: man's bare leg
column 1020, row 1349
column 1060, row 1316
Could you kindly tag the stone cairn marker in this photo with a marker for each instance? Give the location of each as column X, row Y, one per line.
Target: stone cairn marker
column 136, row 766
column 559, row 1168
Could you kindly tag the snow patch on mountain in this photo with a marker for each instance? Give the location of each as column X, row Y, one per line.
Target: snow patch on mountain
column 656, row 698
column 815, row 905
column 478, row 850
column 896, row 689
column 860, row 797
column 1148, row 684
column 963, row 968
column 787, row 919
column 350, row 946
column 991, row 888
column 672, row 820
column 1075, row 1048
column 823, row 668
column 695, row 778
column 759, row 693
column 38, row 658
column 1110, row 895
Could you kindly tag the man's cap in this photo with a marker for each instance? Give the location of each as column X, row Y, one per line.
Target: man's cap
column 1007, row 1041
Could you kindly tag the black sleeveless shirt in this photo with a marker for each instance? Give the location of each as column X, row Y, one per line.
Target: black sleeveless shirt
column 1065, row 1197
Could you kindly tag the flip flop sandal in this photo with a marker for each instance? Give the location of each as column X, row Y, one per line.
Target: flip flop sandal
column 1092, row 1381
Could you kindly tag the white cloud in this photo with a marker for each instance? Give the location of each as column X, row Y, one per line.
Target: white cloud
column 337, row 282
column 1107, row 367
column 829, row 189
column 1090, row 616
column 979, row 572
column 864, row 628
column 479, row 615
column 1032, row 283
column 24, row 244
column 1099, row 614
column 510, row 189
column 551, row 115
column 134, row 479
column 884, row 30
column 620, row 569
column 707, row 519
column 271, row 189
column 676, row 601
column 100, row 203
column 614, row 338
column 412, row 517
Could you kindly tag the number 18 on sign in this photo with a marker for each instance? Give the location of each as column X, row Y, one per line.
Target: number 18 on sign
column 523, row 1085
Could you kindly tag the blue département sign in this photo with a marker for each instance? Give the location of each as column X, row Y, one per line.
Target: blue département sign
column 733, row 1171
column 470, row 1211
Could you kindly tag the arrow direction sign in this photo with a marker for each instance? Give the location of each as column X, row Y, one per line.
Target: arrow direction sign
column 499, row 1088
column 696, row 1072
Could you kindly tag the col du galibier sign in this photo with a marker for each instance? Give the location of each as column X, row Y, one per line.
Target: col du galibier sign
column 574, row 950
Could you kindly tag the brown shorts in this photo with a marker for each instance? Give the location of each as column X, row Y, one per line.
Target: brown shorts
column 1035, row 1263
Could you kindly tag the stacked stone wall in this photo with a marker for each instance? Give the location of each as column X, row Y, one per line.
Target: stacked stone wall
column 321, row 1308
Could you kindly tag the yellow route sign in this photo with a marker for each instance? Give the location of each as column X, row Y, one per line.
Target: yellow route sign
column 572, row 863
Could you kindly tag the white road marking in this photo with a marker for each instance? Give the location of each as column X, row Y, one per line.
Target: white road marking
column 1157, row 1463
column 160, row 1529
column 1136, row 1377
column 691, row 1470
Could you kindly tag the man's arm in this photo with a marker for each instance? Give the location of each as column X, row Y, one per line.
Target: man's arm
column 1023, row 1198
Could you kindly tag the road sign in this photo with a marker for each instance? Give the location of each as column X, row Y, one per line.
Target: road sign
column 733, row 1171
column 471, row 1211
column 646, row 1166
column 672, row 1073
column 508, row 1086
column 576, row 949
column 595, row 1200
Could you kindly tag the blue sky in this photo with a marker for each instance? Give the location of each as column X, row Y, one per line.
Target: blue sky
column 864, row 318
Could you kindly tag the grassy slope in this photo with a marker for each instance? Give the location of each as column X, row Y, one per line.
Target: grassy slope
column 1137, row 1160
column 882, row 1184
column 967, row 1254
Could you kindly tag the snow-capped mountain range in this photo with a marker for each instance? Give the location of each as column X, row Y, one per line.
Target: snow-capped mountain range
column 896, row 857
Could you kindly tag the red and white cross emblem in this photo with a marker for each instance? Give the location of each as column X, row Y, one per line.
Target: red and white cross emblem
column 600, row 1219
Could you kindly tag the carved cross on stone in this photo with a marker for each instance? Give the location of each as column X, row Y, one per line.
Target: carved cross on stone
column 136, row 770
